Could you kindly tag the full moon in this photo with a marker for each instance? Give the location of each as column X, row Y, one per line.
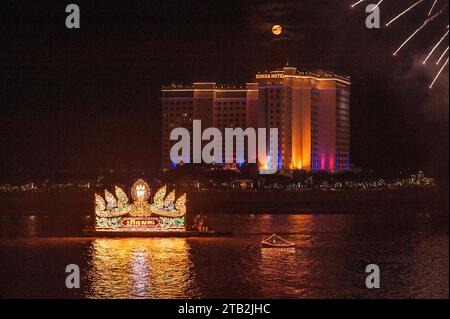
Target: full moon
column 277, row 29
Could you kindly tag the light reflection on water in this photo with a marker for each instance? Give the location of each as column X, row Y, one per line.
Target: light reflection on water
column 140, row 268
column 329, row 261
column 32, row 225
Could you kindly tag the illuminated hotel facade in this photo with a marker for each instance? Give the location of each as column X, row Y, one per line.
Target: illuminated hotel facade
column 310, row 109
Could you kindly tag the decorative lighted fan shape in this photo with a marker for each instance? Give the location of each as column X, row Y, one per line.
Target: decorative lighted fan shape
column 169, row 200
column 100, row 204
column 140, row 191
column 158, row 199
column 110, row 200
column 180, row 204
column 122, row 198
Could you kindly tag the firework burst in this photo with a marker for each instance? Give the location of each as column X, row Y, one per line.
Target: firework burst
column 436, row 9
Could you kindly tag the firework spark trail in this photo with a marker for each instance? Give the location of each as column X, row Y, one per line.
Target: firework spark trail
column 432, row 7
column 442, row 56
column 356, row 3
column 420, row 28
column 439, row 74
column 435, row 47
column 410, row 37
column 377, row 5
column 405, row 12
column 429, row 17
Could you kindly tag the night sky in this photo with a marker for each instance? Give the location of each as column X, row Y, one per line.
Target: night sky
column 86, row 99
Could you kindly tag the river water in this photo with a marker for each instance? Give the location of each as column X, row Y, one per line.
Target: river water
column 329, row 260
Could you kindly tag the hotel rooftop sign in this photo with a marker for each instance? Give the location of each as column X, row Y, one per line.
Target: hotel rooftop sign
column 269, row 76
column 292, row 72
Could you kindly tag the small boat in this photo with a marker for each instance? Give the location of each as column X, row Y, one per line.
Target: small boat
column 275, row 241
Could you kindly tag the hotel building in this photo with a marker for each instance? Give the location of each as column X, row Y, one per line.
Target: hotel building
column 310, row 109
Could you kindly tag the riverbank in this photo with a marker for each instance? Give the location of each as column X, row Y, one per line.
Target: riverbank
column 425, row 199
column 430, row 200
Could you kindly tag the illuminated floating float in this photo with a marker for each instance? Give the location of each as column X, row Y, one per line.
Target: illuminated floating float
column 115, row 215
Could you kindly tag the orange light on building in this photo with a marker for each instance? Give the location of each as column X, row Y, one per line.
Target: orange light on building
column 263, row 164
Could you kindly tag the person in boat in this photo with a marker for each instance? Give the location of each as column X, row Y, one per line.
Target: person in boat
column 277, row 241
column 199, row 222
